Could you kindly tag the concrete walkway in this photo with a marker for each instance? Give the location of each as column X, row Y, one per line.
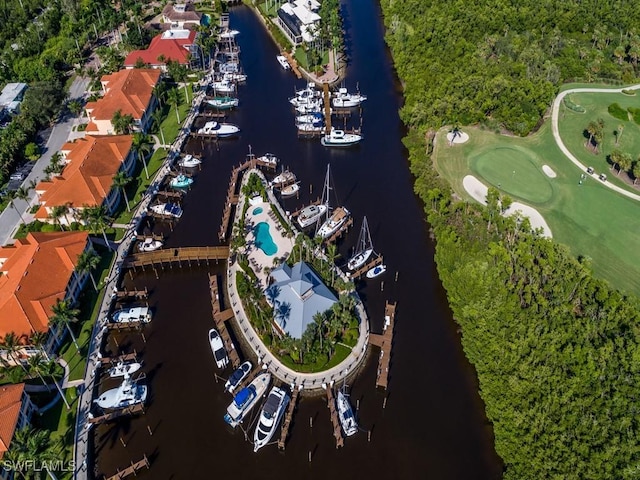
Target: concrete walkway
column 307, row 381
column 556, row 133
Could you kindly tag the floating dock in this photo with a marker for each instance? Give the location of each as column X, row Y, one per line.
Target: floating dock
column 220, row 318
column 133, row 469
column 335, row 421
column 385, row 342
column 288, row 417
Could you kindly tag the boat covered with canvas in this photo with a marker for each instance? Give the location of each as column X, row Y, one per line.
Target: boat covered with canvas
column 246, row 399
column 223, row 102
column 345, row 415
column 127, row 394
column 376, row 271
column 181, row 181
column 219, row 129
column 238, row 376
column 340, row 138
column 309, row 215
column 270, row 417
column 364, row 248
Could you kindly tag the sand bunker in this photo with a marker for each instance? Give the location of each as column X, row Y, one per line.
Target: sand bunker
column 461, row 137
column 478, row 191
column 548, row 171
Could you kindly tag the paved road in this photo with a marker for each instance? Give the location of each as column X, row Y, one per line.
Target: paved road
column 556, row 133
column 9, row 218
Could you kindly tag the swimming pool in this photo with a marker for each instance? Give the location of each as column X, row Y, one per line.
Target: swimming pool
column 263, row 239
column 257, row 210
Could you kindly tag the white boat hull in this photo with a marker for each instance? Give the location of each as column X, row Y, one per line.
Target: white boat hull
column 282, row 60
column 217, row 348
column 219, row 129
column 238, row 376
column 122, row 369
column 236, row 413
column 167, row 209
column 338, row 138
column 290, row 190
column 150, row 245
column 345, row 415
column 270, row 417
column 376, row 271
column 359, row 260
column 311, row 214
column 189, row 161
column 126, row 395
column 333, row 224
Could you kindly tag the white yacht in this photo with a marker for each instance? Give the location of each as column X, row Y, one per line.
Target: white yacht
column 127, row 394
column 345, row 415
column 224, row 86
column 344, row 99
column 132, row 314
column 337, row 219
column 283, row 178
column 149, row 245
column 246, row 399
column 167, row 209
column 364, row 248
column 309, row 215
column 290, row 190
column 217, row 347
column 224, row 102
column 306, row 95
column 122, row 369
column 238, row 376
column 229, row 67
column 234, row 77
column 282, row 60
column 219, row 129
column 310, row 127
column 268, row 158
column 313, row 118
column 189, row 161
column 309, row 107
column 339, row 138
column 270, row 417
column 228, row 34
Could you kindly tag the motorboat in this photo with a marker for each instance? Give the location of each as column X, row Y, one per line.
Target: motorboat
column 132, row 314
column 310, row 127
column 290, row 190
column 246, row 399
column 189, row 161
column 338, row 218
column 217, row 347
column 377, row 270
column 309, row 107
column 268, row 158
column 128, row 393
column 238, row 376
column 149, row 244
column 284, row 178
column 344, row 99
column 309, row 215
column 122, row 369
column 313, row 118
column 223, row 103
column 224, row 86
column 339, row 138
column 282, row 60
column 167, row 209
column 181, row 181
column 270, row 417
column 345, row 415
column 229, row 67
column 234, row 77
column 219, row 129
column 364, row 248
column 227, row 34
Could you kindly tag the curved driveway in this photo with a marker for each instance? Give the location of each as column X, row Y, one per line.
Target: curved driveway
column 556, row 134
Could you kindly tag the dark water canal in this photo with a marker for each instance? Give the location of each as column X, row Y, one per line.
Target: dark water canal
column 433, row 425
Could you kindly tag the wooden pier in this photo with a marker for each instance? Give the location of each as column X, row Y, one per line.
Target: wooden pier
column 385, row 342
column 340, row 231
column 356, row 274
column 168, row 256
column 134, row 294
column 293, row 63
column 121, row 358
column 337, row 430
column 326, row 95
column 288, row 417
column 219, row 317
column 212, row 112
column 107, row 417
column 133, row 469
column 124, row 326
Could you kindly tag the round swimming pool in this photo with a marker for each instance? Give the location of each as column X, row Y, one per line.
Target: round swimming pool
column 257, row 210
column 263, row 239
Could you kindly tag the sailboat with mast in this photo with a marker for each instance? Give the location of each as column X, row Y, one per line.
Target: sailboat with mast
column 364, row 248
column 311, row 214
column 334, row 220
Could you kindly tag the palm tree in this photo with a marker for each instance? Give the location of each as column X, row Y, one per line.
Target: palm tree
column 624, row 162
column 37, row 365
column 121, row 180
column 157, row 120
column 38, row 339
column 122, row 123
column 65, row 314
column 332, row 254
column 592, row 129
column 141, row 144
column 57, row 212
column 96, row 219
column 88, row 261
column 11, row 343
column 35, row 446
column 173, row 97
column 13, row 195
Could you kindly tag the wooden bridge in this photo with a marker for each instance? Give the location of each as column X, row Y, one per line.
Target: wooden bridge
column 220, row 317
column 385, row 342
column 132, row 410
column 337, row 430
column 170, row 256
column 288, row 417
column 133, row 469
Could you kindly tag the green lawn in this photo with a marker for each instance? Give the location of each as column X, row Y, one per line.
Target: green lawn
column 341, row 352
column 589, row 218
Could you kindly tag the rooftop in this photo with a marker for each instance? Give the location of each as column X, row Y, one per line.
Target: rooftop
column 181, row 12
column 10, row 404
column 173, row 44
column 12, row 92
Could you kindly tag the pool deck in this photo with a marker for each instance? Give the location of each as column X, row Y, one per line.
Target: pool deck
column 257, row 258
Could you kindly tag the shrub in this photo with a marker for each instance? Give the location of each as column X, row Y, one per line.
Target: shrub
column 629, row 92
column 635, row 113
column 616, row 111
column 572, row 106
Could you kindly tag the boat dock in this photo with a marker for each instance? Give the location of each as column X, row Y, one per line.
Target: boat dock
column 293, row 63
column 212, row 113
column 356, row 274
column 169, row 256
column 326, row 95
column 288, row 417
column 123, row 326
column 335, row 421
column 172, row 194
column 340, row 231
column 385, row 342
column 121, row 358
column 133, row 469
column 132, row 410
column 134, row 294
column 297, row 212
column 219, row 317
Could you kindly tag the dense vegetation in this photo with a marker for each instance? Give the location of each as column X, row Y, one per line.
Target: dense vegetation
column 501, row 62
column 556, row 350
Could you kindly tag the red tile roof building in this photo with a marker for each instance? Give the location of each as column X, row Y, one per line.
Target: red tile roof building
column 173, row 45
column 131, row 92
column 87, row 178
column 35, row 273
column 15, row 412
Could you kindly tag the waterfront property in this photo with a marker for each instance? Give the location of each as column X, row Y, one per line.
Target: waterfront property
column 181, row 15
column 177, row 45
column 16, row 410
column 297, row 295
column 299, row 20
